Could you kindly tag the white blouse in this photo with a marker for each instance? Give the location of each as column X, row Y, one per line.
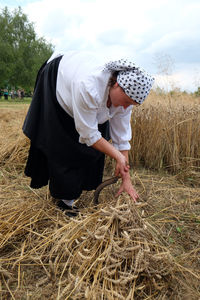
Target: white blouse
column 82, row 91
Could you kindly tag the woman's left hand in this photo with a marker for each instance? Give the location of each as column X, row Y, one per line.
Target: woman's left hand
column 126, row 186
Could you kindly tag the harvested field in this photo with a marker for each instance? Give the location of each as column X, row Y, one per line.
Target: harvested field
column 120, row 250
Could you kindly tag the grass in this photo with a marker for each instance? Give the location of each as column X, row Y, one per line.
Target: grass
column 14, row 103
column 118, row 251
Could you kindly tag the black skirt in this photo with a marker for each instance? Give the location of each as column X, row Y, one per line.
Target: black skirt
column 56, row 157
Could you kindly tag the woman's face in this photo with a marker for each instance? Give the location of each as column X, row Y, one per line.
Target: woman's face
column 119, row 98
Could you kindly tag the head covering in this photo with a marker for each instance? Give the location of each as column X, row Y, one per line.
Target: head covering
column 135, row 81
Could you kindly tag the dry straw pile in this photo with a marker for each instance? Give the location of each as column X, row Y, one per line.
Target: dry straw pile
column 117, row 251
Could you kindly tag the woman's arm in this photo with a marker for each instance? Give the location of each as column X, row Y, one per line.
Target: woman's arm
column 121, row 163
column 122, row 167
column 126, row 185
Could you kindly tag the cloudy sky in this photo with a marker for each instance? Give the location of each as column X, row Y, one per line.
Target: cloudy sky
column 162, row 36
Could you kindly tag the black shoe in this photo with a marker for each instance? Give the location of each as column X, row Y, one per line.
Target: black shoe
column 70, row 211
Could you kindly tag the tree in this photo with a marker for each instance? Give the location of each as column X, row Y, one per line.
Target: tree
column 197, row 92
column 21, row 51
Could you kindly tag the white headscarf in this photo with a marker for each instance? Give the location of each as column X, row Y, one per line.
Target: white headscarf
column 135, row 81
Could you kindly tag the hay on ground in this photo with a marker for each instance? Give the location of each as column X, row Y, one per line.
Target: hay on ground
column 118, row 251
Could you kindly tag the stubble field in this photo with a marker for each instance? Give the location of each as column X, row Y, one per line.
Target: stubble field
column 119, row 250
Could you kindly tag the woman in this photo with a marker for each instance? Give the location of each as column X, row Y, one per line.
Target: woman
column 79, row 103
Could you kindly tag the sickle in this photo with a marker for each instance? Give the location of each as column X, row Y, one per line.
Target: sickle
column 103, row 185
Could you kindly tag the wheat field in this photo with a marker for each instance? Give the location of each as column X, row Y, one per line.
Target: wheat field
column 118, row 250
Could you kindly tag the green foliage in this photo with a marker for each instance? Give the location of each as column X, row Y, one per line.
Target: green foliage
column 197, row 93
column 179, row 229
column 22, row 52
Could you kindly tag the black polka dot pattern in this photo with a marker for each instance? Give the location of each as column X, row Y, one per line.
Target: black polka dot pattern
column 135, row 81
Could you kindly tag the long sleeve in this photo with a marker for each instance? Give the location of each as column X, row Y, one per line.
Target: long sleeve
column 120, row 128
column 85, row 111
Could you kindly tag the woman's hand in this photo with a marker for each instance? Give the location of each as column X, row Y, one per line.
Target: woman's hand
column 126, row 186
column 122, row 167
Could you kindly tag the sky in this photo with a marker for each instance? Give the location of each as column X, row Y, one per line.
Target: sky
column 162, row 36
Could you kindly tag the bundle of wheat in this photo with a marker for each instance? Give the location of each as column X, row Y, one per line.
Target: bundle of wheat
column 113, row 253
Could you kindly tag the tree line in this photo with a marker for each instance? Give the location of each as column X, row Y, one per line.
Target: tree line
column 21, row 51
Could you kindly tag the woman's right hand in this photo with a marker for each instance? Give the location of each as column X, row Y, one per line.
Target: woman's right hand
column 104, row 146
column 122, row 167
